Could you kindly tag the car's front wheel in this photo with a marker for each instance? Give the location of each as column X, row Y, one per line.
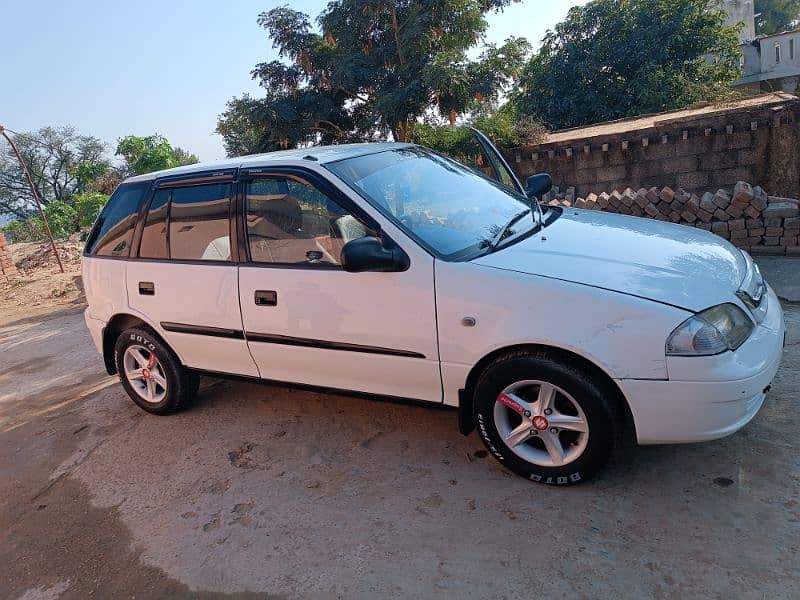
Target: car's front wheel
column 151, row 373
column 543, row 419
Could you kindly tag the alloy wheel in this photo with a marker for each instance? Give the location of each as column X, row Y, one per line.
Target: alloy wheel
column 541, row 423
column 145, row 374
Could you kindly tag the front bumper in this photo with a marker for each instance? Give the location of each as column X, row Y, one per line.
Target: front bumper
column 710, row 397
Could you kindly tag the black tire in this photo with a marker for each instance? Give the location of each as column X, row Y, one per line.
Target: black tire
column 591, row 398
column 181, row 383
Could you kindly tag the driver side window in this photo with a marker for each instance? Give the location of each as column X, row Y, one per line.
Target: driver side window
column 290, row 222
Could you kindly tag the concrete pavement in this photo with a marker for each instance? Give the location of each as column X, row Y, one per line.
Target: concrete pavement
column 259, row 491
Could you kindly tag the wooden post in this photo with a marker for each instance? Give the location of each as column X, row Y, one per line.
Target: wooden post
column 35, row 195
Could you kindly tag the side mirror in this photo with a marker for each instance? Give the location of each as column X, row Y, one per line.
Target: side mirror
column 368, row 254
column 538, row 185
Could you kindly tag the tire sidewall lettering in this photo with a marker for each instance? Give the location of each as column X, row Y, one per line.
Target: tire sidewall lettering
column 484, row 424
column 485, row 435
column 139, row 339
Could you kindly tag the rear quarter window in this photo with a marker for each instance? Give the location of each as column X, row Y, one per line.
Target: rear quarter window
column 113, row 231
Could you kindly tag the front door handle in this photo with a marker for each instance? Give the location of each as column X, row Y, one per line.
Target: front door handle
column 266, row 298
column 147, row 288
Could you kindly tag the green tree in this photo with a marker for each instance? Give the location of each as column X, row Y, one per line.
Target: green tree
column 619, row 58
column 62, row 218
column 88, row 206
column 151, row 153
column 776, row 15
column 58, row 160
column 504, row 127
column 375, row 67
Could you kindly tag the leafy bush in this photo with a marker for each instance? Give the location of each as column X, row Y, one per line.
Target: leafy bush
column 26, row 230
column 503, row 127
column 62, row 218
column 88, row 206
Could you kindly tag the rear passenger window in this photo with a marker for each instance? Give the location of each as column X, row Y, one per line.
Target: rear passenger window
column 111, row 235
column 292, row 222
column 154, row 234
column 199, row 225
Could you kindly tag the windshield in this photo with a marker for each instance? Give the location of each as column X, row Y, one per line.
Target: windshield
column 446, row 206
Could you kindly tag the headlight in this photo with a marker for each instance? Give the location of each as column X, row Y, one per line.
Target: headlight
column 713, row 331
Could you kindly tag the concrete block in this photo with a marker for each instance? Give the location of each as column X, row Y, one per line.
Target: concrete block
column 736, row 224
column 752, row 212
column 651, row 210
column 628, row 197
column 719, row 227
column 707, row 202
column 743, row 192
column 667, row 195
column 722, row 199
column 721, row 215
column 734, row 211
column 780, row 207
column 791, row 223
column 704, row 215
column 760, row 198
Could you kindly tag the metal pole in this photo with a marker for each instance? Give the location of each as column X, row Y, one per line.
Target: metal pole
column 35, row 195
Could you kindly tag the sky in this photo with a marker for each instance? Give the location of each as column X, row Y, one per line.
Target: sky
column 113, row 68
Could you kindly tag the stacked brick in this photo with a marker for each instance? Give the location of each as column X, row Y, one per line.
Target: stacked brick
column 746, row 216
column 7, row 266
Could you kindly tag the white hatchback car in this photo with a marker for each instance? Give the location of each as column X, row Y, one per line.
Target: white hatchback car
column 390, row 270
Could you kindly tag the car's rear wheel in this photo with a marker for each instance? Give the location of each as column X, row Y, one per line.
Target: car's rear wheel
column 543, row 419
column 151, row 373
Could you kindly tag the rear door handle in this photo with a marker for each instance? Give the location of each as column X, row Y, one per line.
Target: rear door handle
column 266, row 298
column 147, row 288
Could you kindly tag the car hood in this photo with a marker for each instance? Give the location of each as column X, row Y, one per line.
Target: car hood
column 674, row 264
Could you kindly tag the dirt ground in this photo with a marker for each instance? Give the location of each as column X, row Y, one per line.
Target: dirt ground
column 39, row 285
column 260, row 491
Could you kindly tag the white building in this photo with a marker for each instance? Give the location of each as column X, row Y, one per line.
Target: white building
column 771, row 63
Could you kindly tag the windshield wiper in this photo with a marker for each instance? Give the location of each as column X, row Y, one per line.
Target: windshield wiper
column 501, row 235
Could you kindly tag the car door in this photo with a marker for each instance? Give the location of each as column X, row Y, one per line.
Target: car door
column 306, row 319
column 484, row 157
column 184, row 277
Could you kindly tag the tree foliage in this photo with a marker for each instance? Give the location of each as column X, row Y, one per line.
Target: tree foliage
column 776, row 15
column 619, row 58
column 61, row 162
column 88, row 207
column 151, row 153
column 375, row 67
column 504, row 127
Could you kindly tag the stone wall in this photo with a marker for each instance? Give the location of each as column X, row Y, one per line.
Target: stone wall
column 745, row 215
column 709, row 147
column 7, row 266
